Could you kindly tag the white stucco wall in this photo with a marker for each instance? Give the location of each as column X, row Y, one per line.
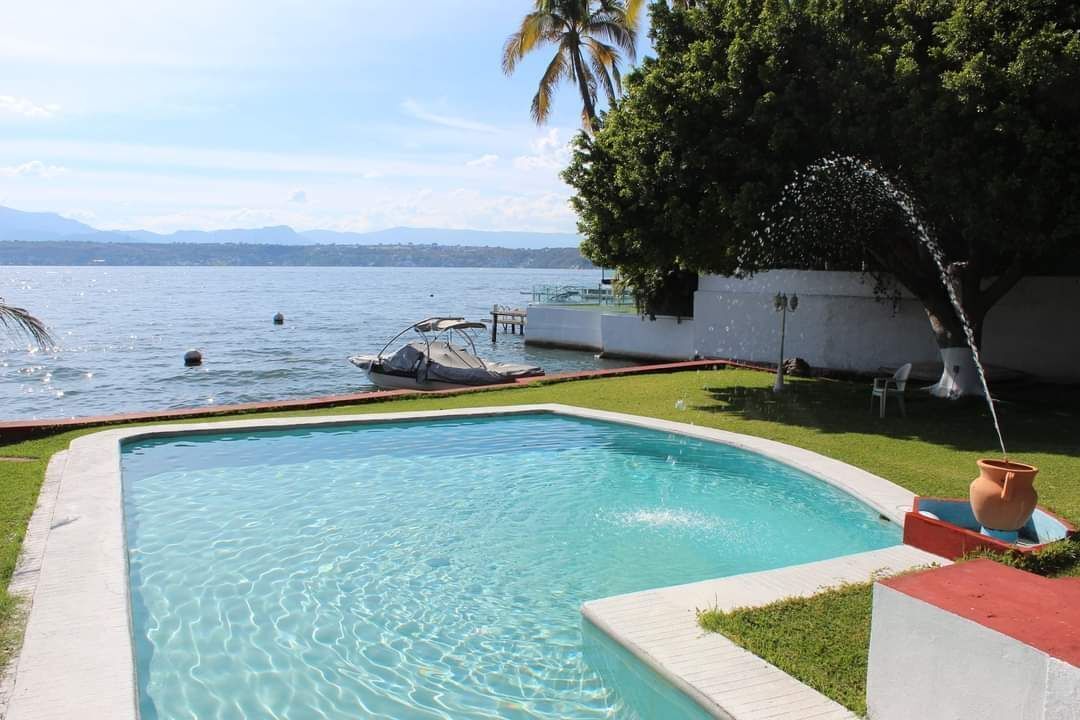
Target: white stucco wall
column 617, row 334
column 839, row 325
column 564, row 327
column 928, row 663
column 1036, row 328
column 665, row 338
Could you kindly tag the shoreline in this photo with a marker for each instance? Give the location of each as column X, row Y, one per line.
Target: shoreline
column 12, row 431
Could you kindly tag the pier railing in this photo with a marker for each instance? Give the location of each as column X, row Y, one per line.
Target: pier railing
column 578, row 295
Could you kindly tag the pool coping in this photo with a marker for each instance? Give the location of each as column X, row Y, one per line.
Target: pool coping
column 77, row 656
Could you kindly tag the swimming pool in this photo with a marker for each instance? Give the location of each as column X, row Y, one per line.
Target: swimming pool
column 435, row 569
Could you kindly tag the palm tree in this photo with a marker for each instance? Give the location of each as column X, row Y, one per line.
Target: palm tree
column 590, row 37
column 18, row 319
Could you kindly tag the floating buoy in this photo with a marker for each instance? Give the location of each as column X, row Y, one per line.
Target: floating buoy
column 192, row 358
column 279, row 319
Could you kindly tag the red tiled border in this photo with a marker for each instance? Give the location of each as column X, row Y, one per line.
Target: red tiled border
column 15, row 430
column 1038, row 611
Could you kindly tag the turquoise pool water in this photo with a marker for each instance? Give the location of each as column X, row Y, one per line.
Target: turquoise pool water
column 435, row 569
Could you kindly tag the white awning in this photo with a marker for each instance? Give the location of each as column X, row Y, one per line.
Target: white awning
column 443, row 324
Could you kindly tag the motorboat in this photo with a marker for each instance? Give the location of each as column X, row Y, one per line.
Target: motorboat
column 442, row 358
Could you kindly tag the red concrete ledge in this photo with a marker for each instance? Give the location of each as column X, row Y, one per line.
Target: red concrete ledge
column 1037, row 611
column 16, row 430
column 953, row 541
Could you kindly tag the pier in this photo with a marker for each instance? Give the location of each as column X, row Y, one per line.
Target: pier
column 511, row 319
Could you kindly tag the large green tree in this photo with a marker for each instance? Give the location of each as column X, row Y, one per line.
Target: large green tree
column 970, row 106
column 590, row 38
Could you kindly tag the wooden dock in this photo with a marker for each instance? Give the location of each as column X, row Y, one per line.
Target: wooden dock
column 511, row 319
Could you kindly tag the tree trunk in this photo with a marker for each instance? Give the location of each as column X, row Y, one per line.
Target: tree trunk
column 960, row 374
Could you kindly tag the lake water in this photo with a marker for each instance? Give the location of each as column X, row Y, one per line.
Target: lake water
column 122, row 331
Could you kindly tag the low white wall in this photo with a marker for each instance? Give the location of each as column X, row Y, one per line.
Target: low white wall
column 840, row 325
column 931, row 664
column 617, row 334
column 563, row 327
column 665, row 338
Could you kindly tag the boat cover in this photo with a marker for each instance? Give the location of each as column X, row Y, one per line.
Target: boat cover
column 443, row 362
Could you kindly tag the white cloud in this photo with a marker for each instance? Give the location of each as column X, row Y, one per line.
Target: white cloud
column 463, row 208
column 416, row 110
column 26, row 108
column 298, row 196
column 215, row 219
column 85, row 216
column 165, row 157
column 484, row 161
column 34, row 168
column 548, row 153
column 426, row 208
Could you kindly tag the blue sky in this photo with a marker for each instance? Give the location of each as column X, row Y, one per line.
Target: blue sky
column 350, row 115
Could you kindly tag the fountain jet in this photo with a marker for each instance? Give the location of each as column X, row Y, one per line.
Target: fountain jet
column 959, row 363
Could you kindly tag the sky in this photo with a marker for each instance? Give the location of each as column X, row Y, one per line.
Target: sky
column 351, row 115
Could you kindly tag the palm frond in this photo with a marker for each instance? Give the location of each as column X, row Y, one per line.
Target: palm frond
column 633, row 14
column 556, row 70
column 16, row 319
column 536, row 28
column 605, row 64
column 615, row 33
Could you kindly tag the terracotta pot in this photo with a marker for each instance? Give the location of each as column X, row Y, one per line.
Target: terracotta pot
column 1002, row 497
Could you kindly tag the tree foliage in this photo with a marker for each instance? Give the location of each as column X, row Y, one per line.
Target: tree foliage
column 971, row 106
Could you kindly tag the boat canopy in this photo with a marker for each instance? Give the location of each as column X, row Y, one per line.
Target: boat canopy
column 440, row 325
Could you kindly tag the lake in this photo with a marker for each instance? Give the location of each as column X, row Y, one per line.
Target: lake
column 122, row 331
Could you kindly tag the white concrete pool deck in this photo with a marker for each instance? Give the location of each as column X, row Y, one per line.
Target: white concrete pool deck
column 77, row 657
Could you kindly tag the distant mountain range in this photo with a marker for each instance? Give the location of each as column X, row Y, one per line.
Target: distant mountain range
column 16, row 225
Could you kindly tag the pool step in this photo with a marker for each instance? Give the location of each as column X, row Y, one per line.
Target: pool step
column 660, row 628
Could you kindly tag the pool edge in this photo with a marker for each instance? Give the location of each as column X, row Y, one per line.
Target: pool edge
column 77, row 658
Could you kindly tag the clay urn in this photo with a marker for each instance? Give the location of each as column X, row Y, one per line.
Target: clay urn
column 1002, row 497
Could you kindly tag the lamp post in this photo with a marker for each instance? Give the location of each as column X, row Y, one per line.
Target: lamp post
column 783, row 305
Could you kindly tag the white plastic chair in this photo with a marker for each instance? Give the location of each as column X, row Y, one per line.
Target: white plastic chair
column 891, row 386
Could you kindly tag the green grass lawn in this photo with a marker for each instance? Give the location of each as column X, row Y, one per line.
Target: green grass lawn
column 822, row 640
column 931, row 452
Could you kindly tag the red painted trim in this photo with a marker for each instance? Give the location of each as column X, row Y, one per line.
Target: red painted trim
column 16, row 430
column 1037, row 611
column 953, row 542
